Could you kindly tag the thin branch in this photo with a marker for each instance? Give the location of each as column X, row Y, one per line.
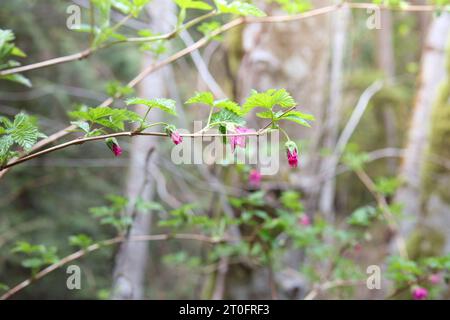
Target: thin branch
column 51, row 62
column 332, row 284
column 87, row 52
column 121, row 134
column 80, row 253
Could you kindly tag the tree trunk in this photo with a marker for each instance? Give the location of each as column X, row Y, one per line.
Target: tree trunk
column 132, row 257
column 386, row 63
column 431, row 75
column 340, row 22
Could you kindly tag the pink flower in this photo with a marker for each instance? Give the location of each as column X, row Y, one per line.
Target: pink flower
column 357, row 248
column 254, row 178
column 419, row 293
column 176, row 138
column 239, row 140
column 292, row 153
column 117, row 150
column 435, row 278
column 304, row 220
column 113, row 145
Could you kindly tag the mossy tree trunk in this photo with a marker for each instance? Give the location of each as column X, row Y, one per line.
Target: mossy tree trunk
column 432, row 74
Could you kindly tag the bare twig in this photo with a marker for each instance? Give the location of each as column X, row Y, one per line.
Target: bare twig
column 330, row 285
column 119, row 134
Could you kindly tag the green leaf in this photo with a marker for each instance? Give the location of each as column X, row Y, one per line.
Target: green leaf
column 24, row 131
column 18, row 52
column 146, row 206
column 298, row 117
column 239, row 7
column 83, row 125
column 207, row 27
column 104, row 7
column 166, row 105
column 124, row 6
column 24, row 247
column 291, row 200
column 115, row 88
column 265, row 115
column 193, row 4
column 100, row 112
column 226, row 116
column 355, row 160
column 202, row 97
column 3, row 287
column 402, row 270
column 18, row 78
column 110, row 118
column 269, row 99
column 294, row 6
column 387, row 186
column 5, row 144
column 228, row 105
column 33, row 263
column 363, row 216
column 80, row 240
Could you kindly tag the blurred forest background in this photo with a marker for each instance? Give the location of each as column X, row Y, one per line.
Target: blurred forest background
column 380, row 142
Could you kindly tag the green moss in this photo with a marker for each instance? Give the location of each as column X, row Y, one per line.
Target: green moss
column 436, row 177
column 233, row 43
column 425, row 242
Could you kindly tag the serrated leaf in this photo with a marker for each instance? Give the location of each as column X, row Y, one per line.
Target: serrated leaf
column 5, row 143
column 99, row 112
column 297, row 117
column 265, row 115
column 268, row 100
column 166, row 105
column 299, row 114
column 108, row 117
column 202, row 97
column 229, row 105
column 24, row 132
column 226, row 116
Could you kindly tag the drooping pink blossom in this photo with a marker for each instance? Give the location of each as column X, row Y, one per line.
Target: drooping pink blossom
column 117, row 150
column 239, row 140
column 254, row 178
column 434, row 278
column 176, row 138
column 292, row 158
column 113, row 145
column 419, row 293
column 304, row 220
